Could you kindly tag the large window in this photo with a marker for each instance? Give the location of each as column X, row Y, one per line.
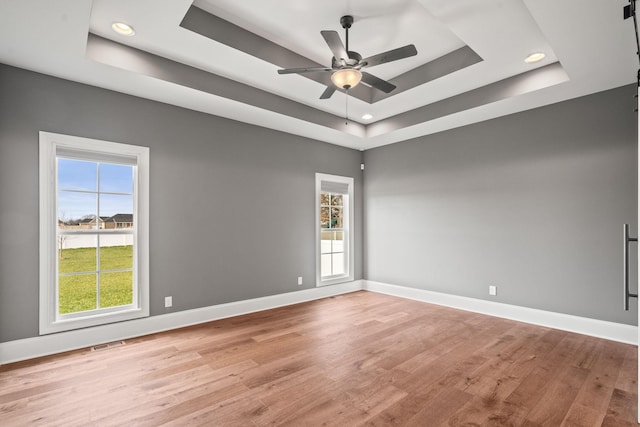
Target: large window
column 334, row 236
column 94, row 232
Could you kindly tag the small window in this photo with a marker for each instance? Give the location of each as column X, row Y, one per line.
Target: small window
column 94, row 232
column 334, row 237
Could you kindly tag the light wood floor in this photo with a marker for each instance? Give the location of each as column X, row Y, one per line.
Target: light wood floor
column 356, row 359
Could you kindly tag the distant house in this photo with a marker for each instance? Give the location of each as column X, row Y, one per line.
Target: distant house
column 100, row 220
column 85, row 223
column 104, row 222
column 119, row 221
column 68, row 224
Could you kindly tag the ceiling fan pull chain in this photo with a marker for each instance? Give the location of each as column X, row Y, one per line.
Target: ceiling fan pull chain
column 346, row 107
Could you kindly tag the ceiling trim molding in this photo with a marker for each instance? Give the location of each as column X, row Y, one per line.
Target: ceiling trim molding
column 549, row 75
column 450, row 63
column 115, row 54
column 135, row 60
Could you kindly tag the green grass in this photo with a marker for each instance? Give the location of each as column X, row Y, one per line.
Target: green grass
column 79, row 292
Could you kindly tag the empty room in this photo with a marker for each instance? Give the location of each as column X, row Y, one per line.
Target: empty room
column 343, row 213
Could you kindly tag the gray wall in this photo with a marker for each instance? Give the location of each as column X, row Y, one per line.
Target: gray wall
column 533, row 203
column 232, row 205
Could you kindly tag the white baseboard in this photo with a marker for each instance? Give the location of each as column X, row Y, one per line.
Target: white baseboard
column 566, row 322
column 29, row 348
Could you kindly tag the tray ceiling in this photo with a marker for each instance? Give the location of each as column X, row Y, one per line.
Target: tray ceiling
column 221, row 57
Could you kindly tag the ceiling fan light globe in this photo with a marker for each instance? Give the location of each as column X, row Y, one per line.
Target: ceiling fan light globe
column 346, row 78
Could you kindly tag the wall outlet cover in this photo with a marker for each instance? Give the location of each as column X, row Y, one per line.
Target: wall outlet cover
column 168, row 302
column 299, row 280
column 493, row 290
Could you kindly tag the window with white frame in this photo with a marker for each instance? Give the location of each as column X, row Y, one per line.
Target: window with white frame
column 94, row 209
column 334, row 234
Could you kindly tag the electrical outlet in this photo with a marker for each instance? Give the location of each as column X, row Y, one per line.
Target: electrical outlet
column 493, row 290
column 299, row 280
column 168, row 302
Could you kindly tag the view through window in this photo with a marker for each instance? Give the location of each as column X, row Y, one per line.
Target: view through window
column 95, row 235
column 332, row 247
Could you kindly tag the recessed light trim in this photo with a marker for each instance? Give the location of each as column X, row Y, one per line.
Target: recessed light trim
column 535, row 57
column 367, row 116
column 123, row 28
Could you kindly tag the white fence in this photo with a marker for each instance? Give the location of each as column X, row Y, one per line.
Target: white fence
column 76, row 241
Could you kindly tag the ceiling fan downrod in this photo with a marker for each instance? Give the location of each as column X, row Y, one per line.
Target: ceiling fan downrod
column 346, row 22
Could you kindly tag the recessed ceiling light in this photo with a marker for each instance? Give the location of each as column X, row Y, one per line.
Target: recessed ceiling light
column 367, row 117
column 123, row 28
column 535, row 57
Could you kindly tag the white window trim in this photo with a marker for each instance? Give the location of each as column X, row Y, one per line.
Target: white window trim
column 349, row 205
column 49, row 145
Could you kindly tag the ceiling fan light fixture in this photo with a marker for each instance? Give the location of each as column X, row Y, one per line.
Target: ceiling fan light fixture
column 346, row 78
column 123, row 28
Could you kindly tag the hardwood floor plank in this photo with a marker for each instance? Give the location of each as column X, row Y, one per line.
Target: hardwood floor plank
column 552, row 408
column 628, row 376
column 479, row 412
column 598, row 388
column 352, row 360
column 622, row 408
column 439, row 409
column 548, row 362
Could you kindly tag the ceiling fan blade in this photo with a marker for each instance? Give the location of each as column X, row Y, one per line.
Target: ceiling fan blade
column 391, row 55
column 328, row 92
column 377, row 82
column 303, row 70
column 335, row 44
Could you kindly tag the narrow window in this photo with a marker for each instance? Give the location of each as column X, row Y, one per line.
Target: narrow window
column 334, row 236
column 94, row 232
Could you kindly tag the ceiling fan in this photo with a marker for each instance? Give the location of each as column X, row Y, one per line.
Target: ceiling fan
column 346, row 65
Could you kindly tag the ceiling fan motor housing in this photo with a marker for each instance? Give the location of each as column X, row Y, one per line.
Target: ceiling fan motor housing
column 354, row 59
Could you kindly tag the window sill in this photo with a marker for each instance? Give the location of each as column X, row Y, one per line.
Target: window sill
column 93, row 320
column 334, row 281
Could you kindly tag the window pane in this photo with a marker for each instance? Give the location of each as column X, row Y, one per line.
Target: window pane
column 336, row 217
column 77, row 254
column 324, row 217
column 116, row 178
column 325, row 265
column 116, row 289
column 325, row 199
column 338, row 263
column 325, row 241
column 336, row 200
column 116, row 211
column 76, row 293
column 116, row 252
column 76, row 211
column 337, row 244
column 77, row 175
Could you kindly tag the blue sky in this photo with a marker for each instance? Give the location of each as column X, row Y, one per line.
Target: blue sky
column 79, row 189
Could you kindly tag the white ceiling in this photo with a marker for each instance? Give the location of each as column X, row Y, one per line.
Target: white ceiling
column 592, row 46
